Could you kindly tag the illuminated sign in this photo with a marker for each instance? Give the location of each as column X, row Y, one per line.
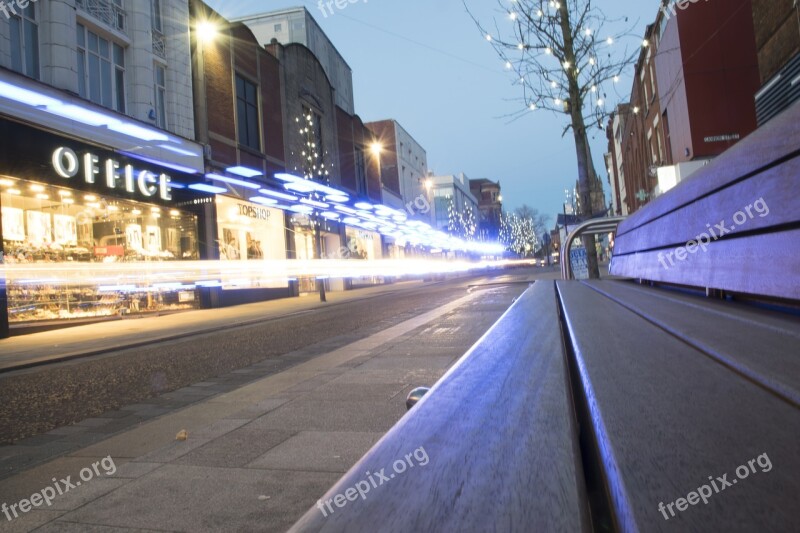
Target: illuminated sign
column 67, row 164
column 259, row 213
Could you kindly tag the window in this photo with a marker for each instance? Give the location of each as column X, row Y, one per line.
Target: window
column 247, row 113
column 101, row 70
column 277, row 28
column 160, row 86
column 25, row 42
column 361, row 171
column 157, row 22
column 652, row 82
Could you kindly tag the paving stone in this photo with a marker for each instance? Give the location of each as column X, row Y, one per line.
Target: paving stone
column 60, row 526
column 85, row 491
column 407, row 363
column 235, row 449
column 28, row 521
column 67, row 430
column 324, row 415
column 319, row 451
column 337, row 390
column 94, row 422
column 134, row 470
column 38, row 440
column 258, row 409
column 189, row 498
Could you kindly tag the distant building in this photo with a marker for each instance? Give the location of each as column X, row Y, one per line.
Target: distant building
column 777, row 30
column 490, row 206
column 447, row 189
column 614, row 160
column 404, row 168
column 297, row 26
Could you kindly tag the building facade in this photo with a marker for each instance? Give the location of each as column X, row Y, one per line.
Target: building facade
column 453, row 202
column 777, row 31
column 691, row 100
column 98, row 160
column 298, row 26
column 614, row 160
column 404, row 167
column 490, row 207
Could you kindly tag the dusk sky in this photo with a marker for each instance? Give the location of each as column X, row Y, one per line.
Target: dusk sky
column 425, row 64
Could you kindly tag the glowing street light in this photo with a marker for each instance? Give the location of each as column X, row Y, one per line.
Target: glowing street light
column 376, row 148
column 206, row 31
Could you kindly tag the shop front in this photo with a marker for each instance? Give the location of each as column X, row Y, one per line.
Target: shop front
column 364, row 245
column 69, row 210
column 303, row 230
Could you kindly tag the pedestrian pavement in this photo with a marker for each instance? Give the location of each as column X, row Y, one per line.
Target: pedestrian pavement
column 257, row 456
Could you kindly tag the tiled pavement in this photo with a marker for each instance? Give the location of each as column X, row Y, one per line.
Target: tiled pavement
column 264, row 442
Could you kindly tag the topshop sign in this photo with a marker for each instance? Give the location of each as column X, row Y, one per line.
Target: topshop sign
column 110, row 172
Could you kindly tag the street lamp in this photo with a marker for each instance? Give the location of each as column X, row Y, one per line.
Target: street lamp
column 206, row 31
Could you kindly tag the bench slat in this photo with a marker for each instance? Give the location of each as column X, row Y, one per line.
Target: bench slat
column 777, row 140
column 765, row 265
column 667, row 417
column 760, row 345
column 777, row 187
column 500, row 434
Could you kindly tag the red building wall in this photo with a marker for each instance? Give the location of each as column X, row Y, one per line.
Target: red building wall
column 707, row 70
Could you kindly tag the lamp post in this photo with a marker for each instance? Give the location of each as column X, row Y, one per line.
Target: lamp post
column 205, row 33
column 376, row 148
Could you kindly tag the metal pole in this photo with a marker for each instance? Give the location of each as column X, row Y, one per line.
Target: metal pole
column 596, row 227
column 4, row 328
column 318, row 246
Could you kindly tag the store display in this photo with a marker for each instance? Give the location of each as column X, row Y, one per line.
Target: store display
column 65, row 229
column 13, row 224
column 49, row 224
column 40, row 229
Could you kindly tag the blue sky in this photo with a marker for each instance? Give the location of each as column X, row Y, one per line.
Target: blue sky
column 424, row 63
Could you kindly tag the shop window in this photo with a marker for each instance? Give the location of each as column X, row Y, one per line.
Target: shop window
column 160, row 87
column 247, row 113
column 250, row 231
column 71, row 230
column 25, row 42
column 101, row 70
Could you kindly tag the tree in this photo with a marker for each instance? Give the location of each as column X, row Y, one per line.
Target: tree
column 461, row 224
column 563, row 58
column 312, row 165
column 519, row 230
column 539, row 220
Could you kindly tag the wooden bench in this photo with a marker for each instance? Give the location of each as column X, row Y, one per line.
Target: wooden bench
column 639, row 405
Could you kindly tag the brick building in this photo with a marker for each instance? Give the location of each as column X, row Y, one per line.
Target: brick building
column 490, row 206
column 777, row 32
column 691, row 100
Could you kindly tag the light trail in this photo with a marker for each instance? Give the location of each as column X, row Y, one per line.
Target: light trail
column 183, row 275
